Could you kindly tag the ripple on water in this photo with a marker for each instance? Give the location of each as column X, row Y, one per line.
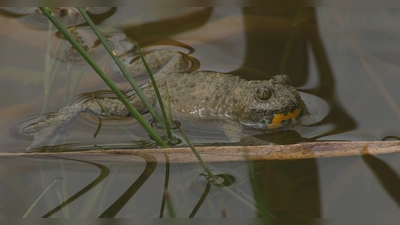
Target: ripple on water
column 128, row 53
column 318, row 109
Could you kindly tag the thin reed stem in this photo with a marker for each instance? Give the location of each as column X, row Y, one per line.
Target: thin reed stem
column 103, row 76
column 121, row 66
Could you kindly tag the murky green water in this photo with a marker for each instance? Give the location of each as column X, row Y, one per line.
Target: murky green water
column 342, row 60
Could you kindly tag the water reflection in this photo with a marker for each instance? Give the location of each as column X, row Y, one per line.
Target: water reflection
column 142, row 185
column 345, row 186
column 62, row 50
column 104, row 172
column 108, row 193
column 116, row 207
column 69, row 16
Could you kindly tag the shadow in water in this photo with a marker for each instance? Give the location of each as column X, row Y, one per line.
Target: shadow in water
column 120, row 203
column 387, row 176
column 104, row 172
column 288, row 188
column 279, row 44
column 201, row 200
column 112, row 211
column 150, row 33
column 326, row 89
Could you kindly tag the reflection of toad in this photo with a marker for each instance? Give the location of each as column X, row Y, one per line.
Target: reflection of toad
column 202, row 95
column 70, row 53
column 69, row 16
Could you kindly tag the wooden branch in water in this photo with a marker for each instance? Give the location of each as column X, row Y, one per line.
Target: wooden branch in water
column 231, row 153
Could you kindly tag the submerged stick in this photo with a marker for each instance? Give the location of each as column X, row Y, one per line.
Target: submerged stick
column 306, row 150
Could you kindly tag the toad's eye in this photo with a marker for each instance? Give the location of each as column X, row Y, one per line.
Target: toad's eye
column 263, row 93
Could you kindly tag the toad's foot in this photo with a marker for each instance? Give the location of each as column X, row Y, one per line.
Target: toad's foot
column 51, row 129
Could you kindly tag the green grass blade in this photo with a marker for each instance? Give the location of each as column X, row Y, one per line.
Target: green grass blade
column 260, row 204
column 47, row 71
column 169, row 104
column 110, row 116
column 170, row 208
column 105, row 78
column 166, row 181
column 37, row 200
column 153, row 81
column 121, row 66
column 208, row 171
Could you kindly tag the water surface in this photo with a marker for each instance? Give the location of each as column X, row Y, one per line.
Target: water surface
column 343, row 61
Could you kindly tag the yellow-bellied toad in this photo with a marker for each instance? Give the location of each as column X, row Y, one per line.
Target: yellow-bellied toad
column 260, row 104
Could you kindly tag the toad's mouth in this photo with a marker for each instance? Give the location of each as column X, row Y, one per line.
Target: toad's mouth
column 278, row 120
column 282, row 119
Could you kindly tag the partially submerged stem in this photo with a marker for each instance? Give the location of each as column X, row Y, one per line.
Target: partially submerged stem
column 153, row 81
column 40, row 197
column 121, row 66
column 47, row 72
column 208, row 171
column 170, row 208
column 169, row 104
column 68, row 83
column 105, row 78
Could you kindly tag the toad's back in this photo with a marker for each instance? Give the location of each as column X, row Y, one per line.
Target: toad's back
column 264, row 104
